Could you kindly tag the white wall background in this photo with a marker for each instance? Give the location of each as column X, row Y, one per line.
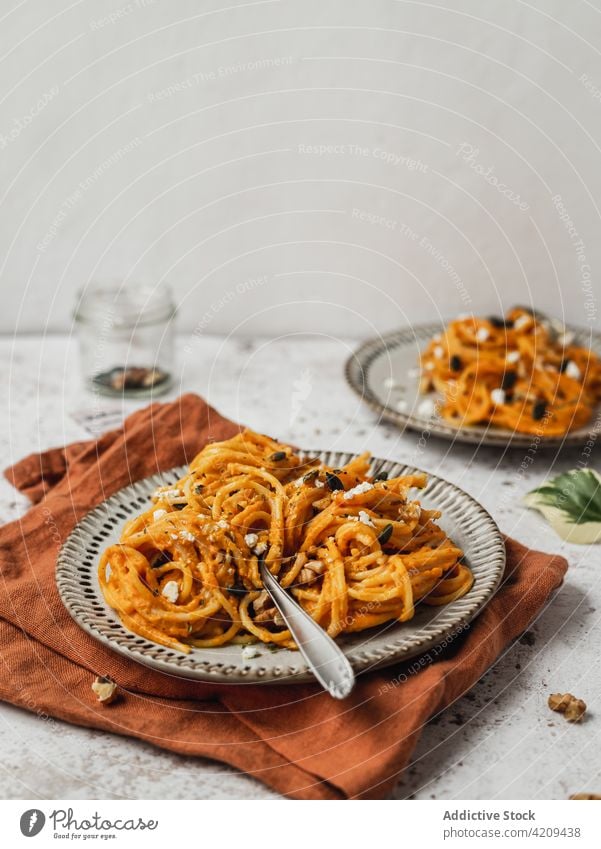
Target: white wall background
column 319, row 147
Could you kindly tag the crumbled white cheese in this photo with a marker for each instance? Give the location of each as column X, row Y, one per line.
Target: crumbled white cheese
column 108, row 570
column 413, row 510
column 174, row 536
column 482, row 334
column 168, row 493
column 261, row 548
column 251, row 540
column 248, row 652
column 572, row 370
column 497, row 396
column 438, row 352
column 429, row 366
column 222, row 524
column 365, row 518
column 319, row 484
column 401, row 405
column 566, row 338
column 513, row 356
column 171, row 591
column 158, row 514
column 358, row 490
column 521, row 321
column 187, row 536
column 426, row 408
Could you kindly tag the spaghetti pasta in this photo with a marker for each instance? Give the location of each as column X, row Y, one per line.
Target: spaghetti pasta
column 354, row 551
column 514, row 373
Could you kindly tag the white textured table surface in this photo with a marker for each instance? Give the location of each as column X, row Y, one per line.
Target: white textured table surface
column 500, row 741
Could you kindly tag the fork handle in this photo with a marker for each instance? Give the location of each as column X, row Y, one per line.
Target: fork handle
column 325, row 659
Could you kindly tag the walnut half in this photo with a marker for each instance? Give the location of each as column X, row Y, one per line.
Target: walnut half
column 572, row 708
column 105, row 689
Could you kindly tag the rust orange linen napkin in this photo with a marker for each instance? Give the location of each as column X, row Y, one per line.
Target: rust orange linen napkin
column 294, row 738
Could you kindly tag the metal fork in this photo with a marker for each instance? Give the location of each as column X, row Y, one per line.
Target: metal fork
column 325, row 660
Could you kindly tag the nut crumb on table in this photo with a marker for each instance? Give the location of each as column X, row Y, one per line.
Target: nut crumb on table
column 586, row 796
column 572, row 708
column 105, row 689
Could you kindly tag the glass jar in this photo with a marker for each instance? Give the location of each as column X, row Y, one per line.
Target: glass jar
column 125, row 337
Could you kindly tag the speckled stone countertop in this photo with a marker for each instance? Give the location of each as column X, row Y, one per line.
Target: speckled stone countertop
column 498, row 742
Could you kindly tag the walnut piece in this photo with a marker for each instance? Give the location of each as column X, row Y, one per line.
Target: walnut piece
column 135, row 377
column 311, row 571
column 265, row 610
column 585, row 796
column 270, row 614
column 105, row 689
column 572, row 708
column 262, row 602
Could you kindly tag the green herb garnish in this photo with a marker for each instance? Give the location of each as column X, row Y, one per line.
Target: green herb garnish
column 571, row 502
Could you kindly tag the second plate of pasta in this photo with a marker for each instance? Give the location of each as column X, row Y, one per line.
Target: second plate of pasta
column 491, row 380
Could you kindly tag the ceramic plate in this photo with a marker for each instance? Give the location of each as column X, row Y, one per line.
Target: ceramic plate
column 464, row 520
column 396, row 357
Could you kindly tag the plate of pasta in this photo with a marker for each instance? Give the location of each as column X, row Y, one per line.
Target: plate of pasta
column 494, row 380
column 167, row 570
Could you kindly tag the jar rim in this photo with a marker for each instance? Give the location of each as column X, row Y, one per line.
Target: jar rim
column 124, row 305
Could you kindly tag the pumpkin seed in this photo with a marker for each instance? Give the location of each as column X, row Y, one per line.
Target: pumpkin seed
column 538, row 410
column 278, row 456
column 160, row 560
column 498, row 321
column 385, row 534
column 455, row 363
column 509, row 380
column 333, row 481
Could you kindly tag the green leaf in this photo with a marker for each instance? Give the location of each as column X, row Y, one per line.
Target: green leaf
column 571, row 502
column 576, row 493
